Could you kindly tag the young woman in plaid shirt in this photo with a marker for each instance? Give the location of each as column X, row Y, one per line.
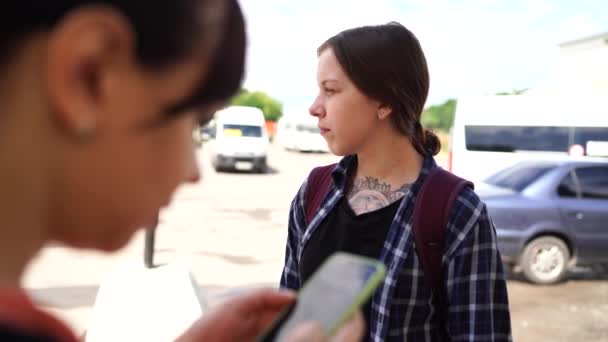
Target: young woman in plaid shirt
column 373, row 84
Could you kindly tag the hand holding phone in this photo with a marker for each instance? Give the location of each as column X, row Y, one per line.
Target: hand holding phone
column 352, row 330
column 335, row 291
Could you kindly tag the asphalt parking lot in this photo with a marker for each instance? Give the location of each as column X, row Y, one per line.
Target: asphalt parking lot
column 230, row 231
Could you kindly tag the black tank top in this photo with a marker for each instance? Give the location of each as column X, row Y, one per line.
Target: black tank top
column 342, row 230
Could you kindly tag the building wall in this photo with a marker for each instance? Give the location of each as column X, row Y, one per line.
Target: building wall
column 582, row 68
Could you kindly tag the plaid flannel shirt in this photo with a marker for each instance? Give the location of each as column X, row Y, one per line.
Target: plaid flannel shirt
column 402, row 309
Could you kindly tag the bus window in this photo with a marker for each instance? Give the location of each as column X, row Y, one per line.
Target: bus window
column 517, row 138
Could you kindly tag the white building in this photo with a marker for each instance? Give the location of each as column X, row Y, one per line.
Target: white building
column 582, row 68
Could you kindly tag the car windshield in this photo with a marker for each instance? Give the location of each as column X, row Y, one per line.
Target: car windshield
column 519, row 177
column 242, row 131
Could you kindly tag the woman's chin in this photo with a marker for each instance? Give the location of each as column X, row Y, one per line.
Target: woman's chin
column 338, row 150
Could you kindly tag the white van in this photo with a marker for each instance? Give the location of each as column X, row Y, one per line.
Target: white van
column 241, row 140
column 300, row 133
column 493, row 132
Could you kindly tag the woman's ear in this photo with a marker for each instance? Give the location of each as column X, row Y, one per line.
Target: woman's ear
column 82, row 51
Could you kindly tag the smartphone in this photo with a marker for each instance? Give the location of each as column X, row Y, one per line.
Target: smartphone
column 342, row 284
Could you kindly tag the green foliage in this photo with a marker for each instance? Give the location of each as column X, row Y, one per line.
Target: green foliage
column 439, row 117
column 273, row 109
column 513, row 92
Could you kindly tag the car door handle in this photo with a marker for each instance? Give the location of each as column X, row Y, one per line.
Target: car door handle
column 576, row 215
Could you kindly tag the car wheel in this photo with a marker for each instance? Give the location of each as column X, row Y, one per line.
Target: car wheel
column 545, row 260
column 216, row 165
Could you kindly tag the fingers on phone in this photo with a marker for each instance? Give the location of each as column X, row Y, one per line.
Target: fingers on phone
column 307, row 332
column 352, row 330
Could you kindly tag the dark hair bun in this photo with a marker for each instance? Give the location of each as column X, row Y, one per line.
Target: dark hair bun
column 431, row 142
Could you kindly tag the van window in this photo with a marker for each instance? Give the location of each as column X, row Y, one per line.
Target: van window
column 517, row 138
column 242, row 130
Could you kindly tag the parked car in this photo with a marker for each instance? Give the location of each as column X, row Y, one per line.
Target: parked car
column 550, row 215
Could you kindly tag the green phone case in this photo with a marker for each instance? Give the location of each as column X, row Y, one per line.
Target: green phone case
column 367, row 291
column 373, row 282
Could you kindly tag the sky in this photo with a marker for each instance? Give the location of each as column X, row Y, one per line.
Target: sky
column 472, row 47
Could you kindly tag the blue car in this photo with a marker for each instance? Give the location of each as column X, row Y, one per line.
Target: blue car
column 549, row 216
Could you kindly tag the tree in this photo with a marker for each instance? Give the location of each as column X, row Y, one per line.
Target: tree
column 440, row 117
column 272, row 108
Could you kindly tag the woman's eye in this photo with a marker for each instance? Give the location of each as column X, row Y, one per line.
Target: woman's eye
column 330, row 91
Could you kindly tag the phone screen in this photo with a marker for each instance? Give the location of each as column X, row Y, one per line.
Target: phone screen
column 340, row 285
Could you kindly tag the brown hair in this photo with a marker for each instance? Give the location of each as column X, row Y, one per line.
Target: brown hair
column 386, row 62
column 166, row 31
column 228, row 66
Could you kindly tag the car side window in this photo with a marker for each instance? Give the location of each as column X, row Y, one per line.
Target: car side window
column 593, row 181
column 567, row 188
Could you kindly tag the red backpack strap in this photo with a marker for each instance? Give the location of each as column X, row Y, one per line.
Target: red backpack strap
column 431, row 214
column 317, row 187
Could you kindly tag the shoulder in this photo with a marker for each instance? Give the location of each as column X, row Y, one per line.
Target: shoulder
column 20, row 320
column 466, row 206
column 440, row 186
column 13, row 334
column 319, row 178
column 468, row 221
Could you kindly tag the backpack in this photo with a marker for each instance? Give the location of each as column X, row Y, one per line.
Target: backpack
column 434, row 201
